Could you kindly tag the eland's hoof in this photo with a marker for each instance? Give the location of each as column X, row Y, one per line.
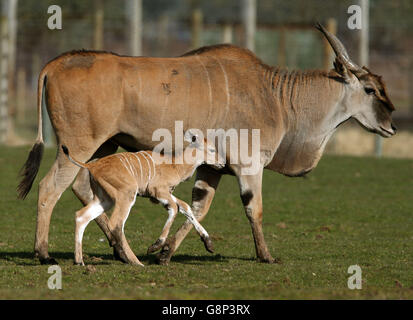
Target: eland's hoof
column 117, row 256
column 270, row 260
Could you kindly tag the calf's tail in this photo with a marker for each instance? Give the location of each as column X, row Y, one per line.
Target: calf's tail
column 74, row 161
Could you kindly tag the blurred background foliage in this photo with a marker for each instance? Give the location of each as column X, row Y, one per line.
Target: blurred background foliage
column 166, row 31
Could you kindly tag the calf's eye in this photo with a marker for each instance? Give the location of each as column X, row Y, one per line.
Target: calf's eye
column 369, row 90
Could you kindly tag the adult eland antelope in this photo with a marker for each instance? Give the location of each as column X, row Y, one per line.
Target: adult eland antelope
column 98, row 101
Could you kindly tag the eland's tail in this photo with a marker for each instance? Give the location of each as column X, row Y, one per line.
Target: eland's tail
column 32, row 164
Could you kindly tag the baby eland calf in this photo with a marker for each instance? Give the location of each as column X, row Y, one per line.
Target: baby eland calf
column 117, row 180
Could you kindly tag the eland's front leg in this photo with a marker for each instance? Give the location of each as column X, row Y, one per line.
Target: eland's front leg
column 251, row 196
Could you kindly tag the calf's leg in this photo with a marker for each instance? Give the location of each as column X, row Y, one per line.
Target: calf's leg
column 185, row 209
column 83, row 217
column 123, row 205
column 206, row 183
column 166, row 199
column 81, row 188
column 174, row 204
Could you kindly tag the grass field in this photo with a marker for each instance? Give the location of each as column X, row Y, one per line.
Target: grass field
column 347, row 211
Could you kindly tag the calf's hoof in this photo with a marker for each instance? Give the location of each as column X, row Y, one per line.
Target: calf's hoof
column 208, row 244
column 157, row 245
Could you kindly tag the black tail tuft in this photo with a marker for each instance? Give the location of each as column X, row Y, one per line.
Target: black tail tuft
column 65, row 150
column 30, row 169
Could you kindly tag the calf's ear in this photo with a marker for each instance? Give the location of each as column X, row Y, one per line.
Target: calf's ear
column 190, row 136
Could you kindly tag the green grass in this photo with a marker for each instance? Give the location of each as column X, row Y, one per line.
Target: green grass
column 348, row 211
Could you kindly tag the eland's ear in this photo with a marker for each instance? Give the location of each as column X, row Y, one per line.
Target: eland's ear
column 339, row 71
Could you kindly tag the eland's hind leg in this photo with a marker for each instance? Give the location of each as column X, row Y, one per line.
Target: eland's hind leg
column 51, row 188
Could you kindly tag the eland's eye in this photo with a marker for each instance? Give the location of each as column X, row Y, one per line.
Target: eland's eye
column 193, row 138
column 369, row 90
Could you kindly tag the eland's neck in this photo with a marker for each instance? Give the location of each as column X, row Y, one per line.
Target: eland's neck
column 312, row 101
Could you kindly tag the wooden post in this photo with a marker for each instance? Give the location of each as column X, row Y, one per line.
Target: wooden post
column 281, row 49
column 98, row 24
column 329, row 55
column 163, row 24
column 410, row 87
column 21, row 95
column 363, row 51
column 12, row 19
column 197, row 21
column 363, row 47
column 328, row 59
column 227, row 33
column 134, row 11
column 249, row 13
column 4, row 79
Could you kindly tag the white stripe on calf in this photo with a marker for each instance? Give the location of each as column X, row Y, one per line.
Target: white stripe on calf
column 140, row 165
column 149, row 166
column 153, row 162
column 129, row 165
column 120, row 157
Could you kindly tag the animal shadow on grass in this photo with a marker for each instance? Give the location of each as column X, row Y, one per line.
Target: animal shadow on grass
column 193, row 259
column 26, row 258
